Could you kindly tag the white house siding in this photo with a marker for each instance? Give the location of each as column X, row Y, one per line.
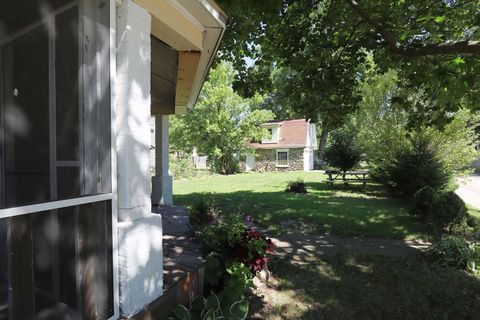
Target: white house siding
column 140, row 231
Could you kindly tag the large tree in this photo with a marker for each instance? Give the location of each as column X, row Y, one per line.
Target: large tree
column 221, row 124
column 433, row 44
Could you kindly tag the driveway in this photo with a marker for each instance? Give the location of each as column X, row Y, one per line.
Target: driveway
column 469, row 191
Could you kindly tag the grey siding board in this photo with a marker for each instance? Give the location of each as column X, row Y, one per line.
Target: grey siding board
column 163, row 77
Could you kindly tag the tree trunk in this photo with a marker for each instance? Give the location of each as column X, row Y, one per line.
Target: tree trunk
column 323, row 143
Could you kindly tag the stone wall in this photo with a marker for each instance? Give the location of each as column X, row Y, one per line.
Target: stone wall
column 265, row 160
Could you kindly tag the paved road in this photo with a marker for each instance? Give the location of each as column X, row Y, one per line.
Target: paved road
column 469, row 191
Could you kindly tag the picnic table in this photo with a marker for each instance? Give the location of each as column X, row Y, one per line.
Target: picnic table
column 346, row 177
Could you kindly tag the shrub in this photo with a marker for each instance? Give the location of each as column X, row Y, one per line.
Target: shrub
column 202, row 213
column 296, row 186
column 444, row 209
column 415, row 167
column 343, row 152
column 223, row 235
column 425, row 203
column 233, row 256
column 456, row 251
column 454, row 208
column 182, row 168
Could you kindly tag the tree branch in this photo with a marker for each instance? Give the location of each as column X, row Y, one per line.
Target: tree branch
column 450, row 47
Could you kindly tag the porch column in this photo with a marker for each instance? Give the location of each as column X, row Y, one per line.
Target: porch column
column 162, row 181
column 140, row 252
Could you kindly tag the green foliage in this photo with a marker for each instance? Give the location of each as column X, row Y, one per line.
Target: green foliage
column 182, row 167
column 381, row 123
column 323, row 43
column 415, row 167
column 383, row 126
column 456, row 142
column 456, row 251
column 223, row 235
column 214, row 269
column 454, row 208
column 203, row 212
column 211, row 309
column 232, row 254
column 343, row 152
column 424, row 203
column 221, row 124
column 239, row 278
column 443, row 209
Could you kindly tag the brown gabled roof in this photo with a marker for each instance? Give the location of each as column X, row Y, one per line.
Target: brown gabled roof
column 293, row 134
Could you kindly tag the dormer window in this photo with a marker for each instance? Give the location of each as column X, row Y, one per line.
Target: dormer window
column 272, row 136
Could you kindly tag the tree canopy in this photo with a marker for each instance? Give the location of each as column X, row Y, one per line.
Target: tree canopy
column 432, row 44
column 222, row 123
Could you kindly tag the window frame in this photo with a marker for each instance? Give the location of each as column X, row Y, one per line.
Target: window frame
column 277, row 151
column 274, row 137
column 100, row 100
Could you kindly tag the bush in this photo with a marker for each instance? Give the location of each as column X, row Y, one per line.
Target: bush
column 454, row 208
column 425, row 203
column 296, row 186
column 223, row 235
column 415, row 167
column 343, row 152
column 182, row 168
column 444, row 209
column 233, row 255
column 456, row 251
column 203, row 212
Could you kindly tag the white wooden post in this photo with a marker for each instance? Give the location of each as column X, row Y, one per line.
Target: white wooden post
column 140, row 252
column 162, row 181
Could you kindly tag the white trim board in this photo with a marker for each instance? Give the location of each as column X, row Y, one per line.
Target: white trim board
column 113, row 156
column 52, row 205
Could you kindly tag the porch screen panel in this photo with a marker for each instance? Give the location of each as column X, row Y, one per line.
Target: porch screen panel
column 3, row 270
column 67, row 86
column 60, row 264
column 55, row 144
column 26, row 109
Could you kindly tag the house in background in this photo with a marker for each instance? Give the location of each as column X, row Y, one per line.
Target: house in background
column 79, row 82
column 289, row 146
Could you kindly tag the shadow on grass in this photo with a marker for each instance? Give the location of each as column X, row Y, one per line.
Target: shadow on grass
column 367, row 287
column 342, row 211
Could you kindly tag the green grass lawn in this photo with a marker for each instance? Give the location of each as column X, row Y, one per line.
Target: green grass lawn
column 341, row 211
column 368, row 287
column 474, row 212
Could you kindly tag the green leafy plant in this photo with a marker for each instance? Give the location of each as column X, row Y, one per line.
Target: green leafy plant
column 232, row 252
column 203, row 212
column 424, row 203
column 211, row 309
column 239, row 278
column 182, row 167
column 343, row 152
column 456, row 251
column 222, row 235
column 443, row 209
column 454, row 210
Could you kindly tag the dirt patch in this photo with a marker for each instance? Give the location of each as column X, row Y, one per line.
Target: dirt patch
column 270, row 303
